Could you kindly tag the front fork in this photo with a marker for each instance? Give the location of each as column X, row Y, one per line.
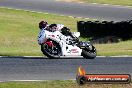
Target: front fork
column 85, row 45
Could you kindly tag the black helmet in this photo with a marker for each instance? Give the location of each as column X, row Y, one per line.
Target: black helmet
column 53, row 25
column 42, row 24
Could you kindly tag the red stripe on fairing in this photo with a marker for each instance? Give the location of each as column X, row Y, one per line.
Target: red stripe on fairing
column 73, row 49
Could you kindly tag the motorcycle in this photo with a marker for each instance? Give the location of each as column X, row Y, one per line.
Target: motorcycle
column 55, row 44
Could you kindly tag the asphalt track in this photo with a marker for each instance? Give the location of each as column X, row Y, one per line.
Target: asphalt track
column 102, row 12
column 35, row 68
column 27, row 68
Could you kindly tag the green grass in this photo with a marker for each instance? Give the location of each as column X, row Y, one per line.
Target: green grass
column 59, row 84
column 112, row 2
column 19, row 30
column 121, row 48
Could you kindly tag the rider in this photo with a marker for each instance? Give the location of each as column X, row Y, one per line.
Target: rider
column 43, row 25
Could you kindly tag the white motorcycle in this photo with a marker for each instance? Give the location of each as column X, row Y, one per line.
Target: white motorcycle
column 55, row 44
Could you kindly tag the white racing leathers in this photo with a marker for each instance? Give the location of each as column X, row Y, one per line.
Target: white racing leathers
column 41, row 35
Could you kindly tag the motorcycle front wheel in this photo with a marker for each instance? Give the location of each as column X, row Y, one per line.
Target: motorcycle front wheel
column 89, row 53
column 52, row 52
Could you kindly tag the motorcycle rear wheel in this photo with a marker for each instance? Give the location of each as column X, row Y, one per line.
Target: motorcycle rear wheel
column 47, row 50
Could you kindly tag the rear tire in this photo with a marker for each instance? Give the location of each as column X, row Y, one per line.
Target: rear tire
column 45, row 49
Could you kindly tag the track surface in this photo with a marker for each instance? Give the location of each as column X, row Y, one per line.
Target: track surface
column 116, row 13
column 59, row 69
column 45, row 69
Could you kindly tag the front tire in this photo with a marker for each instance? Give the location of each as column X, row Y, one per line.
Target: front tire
column 89, row 54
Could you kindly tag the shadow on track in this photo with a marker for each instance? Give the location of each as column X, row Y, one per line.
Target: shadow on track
column 35, row 57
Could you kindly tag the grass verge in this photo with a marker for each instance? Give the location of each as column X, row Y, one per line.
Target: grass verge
column 112, row 2
column 115, row 49
column 59, row 84
column 19, row 30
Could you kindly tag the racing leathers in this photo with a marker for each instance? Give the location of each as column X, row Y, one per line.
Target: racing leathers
column 59, row 27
